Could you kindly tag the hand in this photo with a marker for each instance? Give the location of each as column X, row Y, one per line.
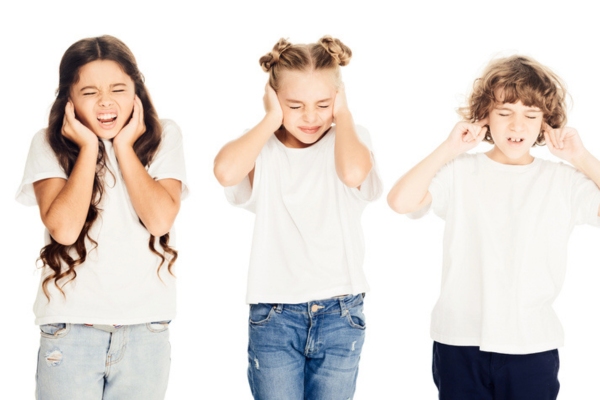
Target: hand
column 466, row 136
column 135, row 128
column 271, row 103
column 75, row 131
column 564, row 143
column 340, row 104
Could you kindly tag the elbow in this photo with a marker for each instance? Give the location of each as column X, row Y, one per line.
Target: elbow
column 66, row 237
column 354, row 177
column 160, row 229
column 398, row 204
column 224, row 175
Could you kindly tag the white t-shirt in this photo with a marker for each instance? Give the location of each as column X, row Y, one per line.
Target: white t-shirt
column 505, row 250
column 308, row 241
column 118, row 283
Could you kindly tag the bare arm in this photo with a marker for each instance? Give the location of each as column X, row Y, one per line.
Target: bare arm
column 411, row 191
column 237, row 158
column 64, row 204
column 566, row 144
column 352, row 158
column 155, row 202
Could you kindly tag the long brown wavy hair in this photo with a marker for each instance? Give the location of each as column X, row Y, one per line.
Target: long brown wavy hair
column 55, row 255
column 518, row 78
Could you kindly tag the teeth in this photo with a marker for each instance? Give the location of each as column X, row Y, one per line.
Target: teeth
column 103, row 117
column 515, row 139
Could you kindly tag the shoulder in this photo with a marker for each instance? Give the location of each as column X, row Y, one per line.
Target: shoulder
column 170, row 129
column 40, row 144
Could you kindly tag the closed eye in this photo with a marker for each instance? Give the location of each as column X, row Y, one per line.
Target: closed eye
column 324, row 106
column 89, row 93
column 295, row 107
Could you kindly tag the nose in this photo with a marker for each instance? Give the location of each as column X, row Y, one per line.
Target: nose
column 517, row 123
column 105, row 99
column 310, row 114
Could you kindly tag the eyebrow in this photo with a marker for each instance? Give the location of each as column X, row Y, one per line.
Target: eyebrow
column 530, row 109
column 95, row 88
column 301, row 102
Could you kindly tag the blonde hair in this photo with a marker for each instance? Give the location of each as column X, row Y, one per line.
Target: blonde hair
column 327, row 53
column 518, row 78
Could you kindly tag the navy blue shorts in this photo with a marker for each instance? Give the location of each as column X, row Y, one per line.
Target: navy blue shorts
column 467, row 373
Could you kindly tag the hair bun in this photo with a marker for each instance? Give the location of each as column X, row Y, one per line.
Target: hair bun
column 338, row 50
column 270, row 59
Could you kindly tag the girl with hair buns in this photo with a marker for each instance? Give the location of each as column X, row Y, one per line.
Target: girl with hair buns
column 307, row 172
column 108, row 177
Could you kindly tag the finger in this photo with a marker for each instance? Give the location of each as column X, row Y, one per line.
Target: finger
column 483, row 122
column 548, row 141
column 546, row 127
column 552, row 136
column 561, row 137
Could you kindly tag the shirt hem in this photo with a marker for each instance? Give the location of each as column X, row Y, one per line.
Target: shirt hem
column 497, row 348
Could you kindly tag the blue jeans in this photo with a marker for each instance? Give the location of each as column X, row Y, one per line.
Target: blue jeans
column 305, row 351
column 81, row 362
column 467, row 373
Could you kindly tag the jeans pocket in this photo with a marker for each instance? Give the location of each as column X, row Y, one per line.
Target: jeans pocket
column 158, row 326
column 260, row 313
column 356, row 318
column 54, row 331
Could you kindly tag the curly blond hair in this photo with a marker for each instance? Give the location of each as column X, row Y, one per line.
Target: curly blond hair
column 518, row 78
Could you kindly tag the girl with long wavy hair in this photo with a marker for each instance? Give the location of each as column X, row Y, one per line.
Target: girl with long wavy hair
column 307, row 172
column 108, row 177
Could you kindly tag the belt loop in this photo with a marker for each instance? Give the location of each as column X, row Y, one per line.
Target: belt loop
column 278, row 308
column 343, row 308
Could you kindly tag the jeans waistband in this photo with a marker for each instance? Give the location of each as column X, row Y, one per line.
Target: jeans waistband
column 333, row 305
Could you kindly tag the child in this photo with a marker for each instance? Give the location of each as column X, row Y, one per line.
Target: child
column 508, row 219
column 308, row 182
column 108, row 178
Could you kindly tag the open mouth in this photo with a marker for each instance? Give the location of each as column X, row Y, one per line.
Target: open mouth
column 516, row 140
column 107, row 118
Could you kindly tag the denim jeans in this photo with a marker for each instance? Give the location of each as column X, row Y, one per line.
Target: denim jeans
column 86, row 363
column 305, row 351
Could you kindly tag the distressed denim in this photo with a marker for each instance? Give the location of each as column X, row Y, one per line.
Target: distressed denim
column 305, row 351
column 81, row 362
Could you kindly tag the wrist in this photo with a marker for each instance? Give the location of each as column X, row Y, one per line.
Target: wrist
column 342, row 113
column 580, row 160
column 273, row 121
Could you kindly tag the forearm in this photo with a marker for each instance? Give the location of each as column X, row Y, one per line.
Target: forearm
column 156, row 206
column 64, row 204
column 589, row 165
column 352, row 157
column 236, row 159
column 411, row 191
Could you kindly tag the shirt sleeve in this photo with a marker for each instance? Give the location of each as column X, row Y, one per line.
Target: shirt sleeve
column 41, row 164
column 439, row 188
column 372, row 187
column 243, row 194
column 169, row 162
column 585, row 199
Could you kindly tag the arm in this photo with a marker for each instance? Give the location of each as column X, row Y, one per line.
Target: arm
column 566, row 144
column 411, row 192
column 64, row 204
column 236, row 159
column 352, row 158
column 155, row 202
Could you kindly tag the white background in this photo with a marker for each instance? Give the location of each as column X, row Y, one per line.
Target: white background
column 412, row 66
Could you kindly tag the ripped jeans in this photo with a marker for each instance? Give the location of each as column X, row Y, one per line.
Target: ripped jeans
column 81, row 362
column 305, row 351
